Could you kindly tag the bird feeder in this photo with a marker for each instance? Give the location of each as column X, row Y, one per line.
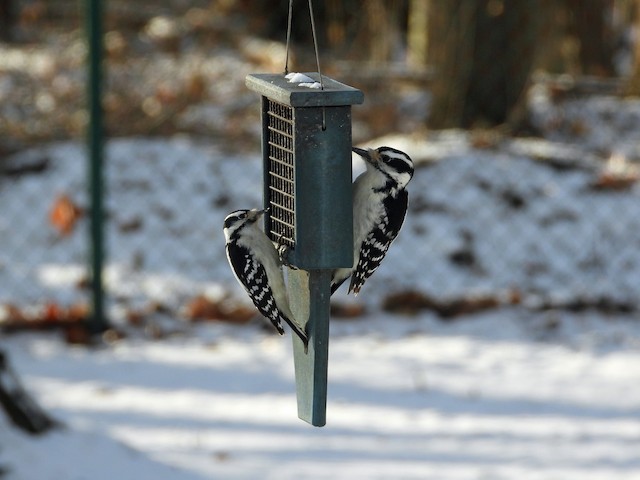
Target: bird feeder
column 306, row 151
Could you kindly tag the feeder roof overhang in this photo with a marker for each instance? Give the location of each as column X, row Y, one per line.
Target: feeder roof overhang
column 276, row 87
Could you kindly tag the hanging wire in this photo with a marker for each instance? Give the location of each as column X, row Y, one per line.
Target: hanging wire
column 315, row 42
column 286, row 60
column 313, row 34
column 315, row 47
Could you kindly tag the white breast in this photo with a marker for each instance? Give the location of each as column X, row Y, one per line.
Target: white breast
column 367, row 206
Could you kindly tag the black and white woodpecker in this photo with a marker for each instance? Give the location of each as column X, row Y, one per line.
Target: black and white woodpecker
column 380, row 202
column 256, row 265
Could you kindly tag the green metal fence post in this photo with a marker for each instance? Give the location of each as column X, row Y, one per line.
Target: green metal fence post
column 95, row 140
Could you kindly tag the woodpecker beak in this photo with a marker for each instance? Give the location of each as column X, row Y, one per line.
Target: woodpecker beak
column 367, row 155
column 254, row 214
column 361, row 151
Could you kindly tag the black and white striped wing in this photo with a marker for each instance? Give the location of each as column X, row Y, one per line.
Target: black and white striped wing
column 375, row 245
column 253, row 277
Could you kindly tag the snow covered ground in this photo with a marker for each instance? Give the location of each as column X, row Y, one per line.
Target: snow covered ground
column 515, row 392
column 484, row 398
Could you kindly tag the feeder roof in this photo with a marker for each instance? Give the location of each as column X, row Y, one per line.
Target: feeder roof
column 278, row 88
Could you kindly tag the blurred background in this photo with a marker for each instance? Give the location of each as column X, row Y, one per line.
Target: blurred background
column 497, row 340
column 555, row 83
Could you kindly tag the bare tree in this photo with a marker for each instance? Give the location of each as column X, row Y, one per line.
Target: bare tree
column 633, row 86
column 7, row 20
column 418, row 33
column 591, row 27
column 483, row 51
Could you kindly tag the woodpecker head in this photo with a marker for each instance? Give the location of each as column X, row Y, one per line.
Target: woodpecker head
column 394, row 164
column 236, row 221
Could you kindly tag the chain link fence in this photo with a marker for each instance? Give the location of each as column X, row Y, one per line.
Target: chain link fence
column 545, row 222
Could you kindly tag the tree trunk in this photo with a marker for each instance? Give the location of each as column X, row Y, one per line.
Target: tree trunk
column 7, row 20
column 418, row 33
column 633, row 86
column 380, row 32
column 594, row 35
column 483, row 51
column 451, row 41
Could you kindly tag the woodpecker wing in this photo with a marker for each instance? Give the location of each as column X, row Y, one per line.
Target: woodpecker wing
column 253, row 277
column 375, row 245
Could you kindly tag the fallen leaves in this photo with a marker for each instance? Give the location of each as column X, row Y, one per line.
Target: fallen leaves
column 73, row 322
column 347, row 310
column 64, row 214
column 48, row 316
column 617, row 174
column 413, row 302
column 154, row 319
column 202, row 308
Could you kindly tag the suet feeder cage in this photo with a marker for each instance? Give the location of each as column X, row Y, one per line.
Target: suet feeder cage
column 306, row 151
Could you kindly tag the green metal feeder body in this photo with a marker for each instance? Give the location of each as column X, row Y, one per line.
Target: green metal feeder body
column 306, row 150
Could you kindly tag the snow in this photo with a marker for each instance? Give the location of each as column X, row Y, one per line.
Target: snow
column 474, row 399
column 302, row 80
column 294, row 77
column 316, row 85
column 514, row 392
